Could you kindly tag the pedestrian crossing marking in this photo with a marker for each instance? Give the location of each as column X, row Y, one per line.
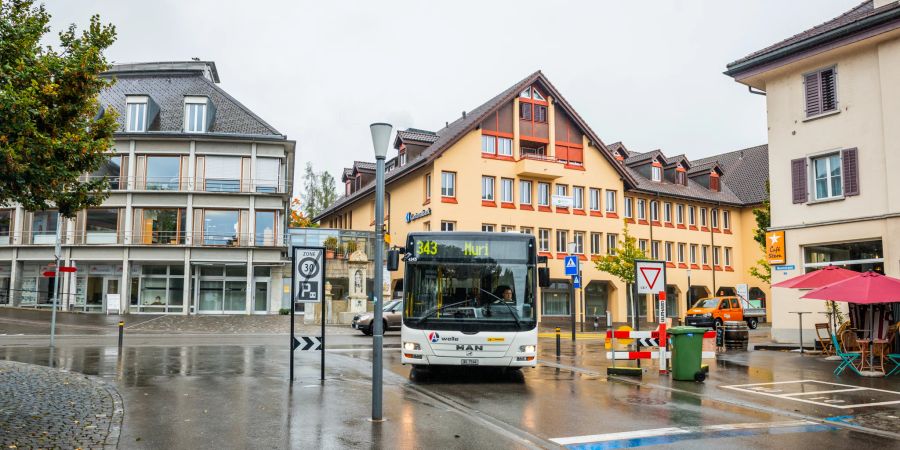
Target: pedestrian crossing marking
column 816, row 397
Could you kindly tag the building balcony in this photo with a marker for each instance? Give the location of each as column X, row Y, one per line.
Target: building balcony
column 539, row 166
column 151, row 238
column 192, row 184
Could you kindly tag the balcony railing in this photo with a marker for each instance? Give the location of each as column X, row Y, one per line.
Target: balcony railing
column 191, row 184
column 164, row 238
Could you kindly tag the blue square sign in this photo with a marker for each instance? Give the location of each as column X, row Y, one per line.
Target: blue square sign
column 571, row 265
column 576, row 281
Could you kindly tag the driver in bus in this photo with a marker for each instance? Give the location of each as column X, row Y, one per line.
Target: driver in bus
column 505, row 293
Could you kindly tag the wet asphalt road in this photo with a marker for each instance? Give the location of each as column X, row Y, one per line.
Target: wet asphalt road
column 208, row 391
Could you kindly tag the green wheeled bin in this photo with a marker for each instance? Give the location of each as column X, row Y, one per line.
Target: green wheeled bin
column 687, row 349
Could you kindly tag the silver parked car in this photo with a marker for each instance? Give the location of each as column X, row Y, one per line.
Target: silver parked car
column 391, row 314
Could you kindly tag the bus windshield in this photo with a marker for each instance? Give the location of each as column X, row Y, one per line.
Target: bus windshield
column 470, row 295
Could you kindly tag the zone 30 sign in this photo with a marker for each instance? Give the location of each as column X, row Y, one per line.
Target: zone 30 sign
column 650, row 276
column 309, row 274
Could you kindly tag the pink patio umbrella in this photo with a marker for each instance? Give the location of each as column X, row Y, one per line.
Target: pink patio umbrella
column 819, row 278
column 864, row 289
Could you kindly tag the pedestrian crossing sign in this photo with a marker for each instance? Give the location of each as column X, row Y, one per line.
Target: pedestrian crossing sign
column 576, row 281
column 571, row 265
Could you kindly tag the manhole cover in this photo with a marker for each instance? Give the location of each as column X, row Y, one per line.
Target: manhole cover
column 646, row 401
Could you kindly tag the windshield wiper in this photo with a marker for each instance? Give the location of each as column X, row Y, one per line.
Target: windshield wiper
column 434, row 311
column 511, row 309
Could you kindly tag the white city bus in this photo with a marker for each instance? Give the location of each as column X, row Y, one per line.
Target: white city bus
column 469, row 299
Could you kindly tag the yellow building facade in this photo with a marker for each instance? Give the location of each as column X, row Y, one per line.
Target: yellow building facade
column 526, row 162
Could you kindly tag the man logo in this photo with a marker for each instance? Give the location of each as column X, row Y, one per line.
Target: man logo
column 469, row 347
column 434, row 337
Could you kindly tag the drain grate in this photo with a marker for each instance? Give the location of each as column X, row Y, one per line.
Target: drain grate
column 645, row 401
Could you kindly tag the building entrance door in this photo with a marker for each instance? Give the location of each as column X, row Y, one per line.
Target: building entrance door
column 260, row 296
column 111, row 287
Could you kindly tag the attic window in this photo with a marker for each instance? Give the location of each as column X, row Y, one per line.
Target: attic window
column 656, row 172
column 532, row 105
column 196, row 111
column 681, row 175
column 532, row 93
column 136, row 113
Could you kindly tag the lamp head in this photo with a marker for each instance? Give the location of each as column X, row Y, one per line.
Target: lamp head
column 381, row 134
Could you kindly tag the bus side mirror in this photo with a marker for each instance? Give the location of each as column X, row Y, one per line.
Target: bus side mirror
column 393, row 260
column 543, row 277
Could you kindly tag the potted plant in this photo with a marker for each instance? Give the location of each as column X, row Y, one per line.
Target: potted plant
column 330, row 245
column 351, row 247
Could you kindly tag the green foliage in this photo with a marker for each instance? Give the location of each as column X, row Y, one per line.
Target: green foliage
column 52, row 130
column 762, row 270
column 284, row 311
column 621, row 265
column 319, row 191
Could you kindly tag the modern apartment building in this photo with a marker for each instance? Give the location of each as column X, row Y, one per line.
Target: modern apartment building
column 832, row 99
column 526, row 161
column 196, row 218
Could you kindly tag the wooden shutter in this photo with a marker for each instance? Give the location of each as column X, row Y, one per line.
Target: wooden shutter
column 850, row 171
column 813, row 94
column 183, row 174
column 243, row 238
column 828, row 89
column 120, row 226
column 798, row 180
column 26, row 228
column 123, row 173
column 562, row 152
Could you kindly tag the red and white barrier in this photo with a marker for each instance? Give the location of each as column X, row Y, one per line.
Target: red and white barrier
column 650, row 355
column 647, row 334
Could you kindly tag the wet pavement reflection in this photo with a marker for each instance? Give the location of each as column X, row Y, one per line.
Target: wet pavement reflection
column 233, row 393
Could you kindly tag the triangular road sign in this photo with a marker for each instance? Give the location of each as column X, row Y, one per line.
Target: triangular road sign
column 570, row 262
column 654, row 273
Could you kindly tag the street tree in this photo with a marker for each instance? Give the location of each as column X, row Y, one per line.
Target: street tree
column 53, row 129
column 298, row 219
column 620, row 264
column 319, row 191
column 762, row 270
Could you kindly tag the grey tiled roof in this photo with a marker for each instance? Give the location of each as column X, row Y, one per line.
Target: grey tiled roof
column 699, row 167
column 364, row 165
column 635, row 158
column 455, row 130
column 693, row 190
column 413, row 134
column 168, row 89
column 746, row 172
column 862, row 11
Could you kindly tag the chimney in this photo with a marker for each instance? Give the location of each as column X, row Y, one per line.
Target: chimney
column 446, row 124
column 464, row 114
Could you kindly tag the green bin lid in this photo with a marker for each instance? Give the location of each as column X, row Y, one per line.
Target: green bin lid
column 685, row 330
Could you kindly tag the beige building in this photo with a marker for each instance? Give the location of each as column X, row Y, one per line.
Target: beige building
column 833, row 103
column 525, row 161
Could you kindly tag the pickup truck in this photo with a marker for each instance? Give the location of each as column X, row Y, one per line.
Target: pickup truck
column 713, row 311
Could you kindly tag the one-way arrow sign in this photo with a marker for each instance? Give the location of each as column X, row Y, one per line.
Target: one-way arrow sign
column 309, row 343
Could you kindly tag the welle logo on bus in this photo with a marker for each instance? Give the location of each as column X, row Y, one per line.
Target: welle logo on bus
column 463, row 249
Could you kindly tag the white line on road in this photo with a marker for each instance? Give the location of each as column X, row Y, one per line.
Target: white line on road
column 675, row 431
column 757, row 388
column 824, row 392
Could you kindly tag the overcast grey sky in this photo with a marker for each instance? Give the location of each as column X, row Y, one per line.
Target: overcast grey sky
column 648, row 73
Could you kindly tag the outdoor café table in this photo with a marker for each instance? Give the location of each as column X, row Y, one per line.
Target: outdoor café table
column 868, row 349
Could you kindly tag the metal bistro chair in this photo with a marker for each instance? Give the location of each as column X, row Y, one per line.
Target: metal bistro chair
column 894, row 357
column 825, row 340
column 847, row 358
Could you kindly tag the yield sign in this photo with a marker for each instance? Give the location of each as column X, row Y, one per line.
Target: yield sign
column 650, row 276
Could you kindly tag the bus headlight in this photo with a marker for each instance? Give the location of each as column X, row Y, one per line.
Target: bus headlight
column 410, row 346
column 526, row 348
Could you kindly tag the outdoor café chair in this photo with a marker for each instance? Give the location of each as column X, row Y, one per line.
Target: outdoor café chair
column 847, row 358
column 894, row 358
column 824, row 338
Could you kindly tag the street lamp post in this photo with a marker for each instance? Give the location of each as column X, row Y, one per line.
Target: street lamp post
column 688, row 296
column 381, row 133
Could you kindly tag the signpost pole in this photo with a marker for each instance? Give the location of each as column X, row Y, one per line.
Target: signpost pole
column 322, row 343
column 663, row 345
column 58, row 253
column 380, row 139
column 293, row 307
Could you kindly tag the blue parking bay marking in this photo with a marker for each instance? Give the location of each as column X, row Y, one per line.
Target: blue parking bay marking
column 658, row 436
column 822, row 393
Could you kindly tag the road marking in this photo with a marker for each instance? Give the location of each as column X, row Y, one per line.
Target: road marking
column 830, row 401
column 657, row 436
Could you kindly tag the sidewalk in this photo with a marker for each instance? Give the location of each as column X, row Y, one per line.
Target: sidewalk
column 37, row 322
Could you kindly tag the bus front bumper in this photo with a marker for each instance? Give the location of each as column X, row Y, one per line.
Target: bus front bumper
column 505, row 361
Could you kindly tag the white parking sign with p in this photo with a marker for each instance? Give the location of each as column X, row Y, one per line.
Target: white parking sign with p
column 309, row 272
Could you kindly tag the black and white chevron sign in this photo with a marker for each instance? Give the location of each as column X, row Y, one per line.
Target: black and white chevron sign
column 307, row 343
column 648, row 342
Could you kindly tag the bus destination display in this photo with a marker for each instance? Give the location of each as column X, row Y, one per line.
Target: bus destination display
column 430, row 248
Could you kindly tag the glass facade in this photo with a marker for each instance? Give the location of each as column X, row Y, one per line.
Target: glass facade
column 221, row 289
column 221, row 227
column 43, row 226
column 858, row 256
column 158, row 288
column 555, row 298
column 101, row 225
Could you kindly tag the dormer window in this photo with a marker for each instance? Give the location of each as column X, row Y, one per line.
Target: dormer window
column 403, row 159
column 136, row 113
column 196, row 114
column 656, row 172
column 681, row 175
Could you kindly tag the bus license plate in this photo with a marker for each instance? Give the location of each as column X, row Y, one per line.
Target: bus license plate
column 469, row 362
